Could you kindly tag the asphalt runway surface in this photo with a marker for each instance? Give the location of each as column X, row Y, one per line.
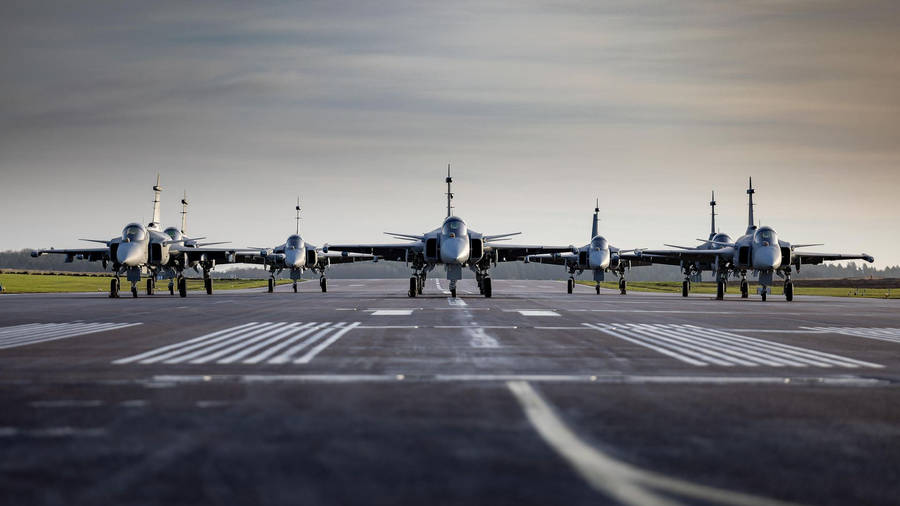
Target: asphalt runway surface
column 363, row 395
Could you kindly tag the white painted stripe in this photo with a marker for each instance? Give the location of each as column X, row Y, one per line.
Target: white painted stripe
column 474, row 327
column 388, row 327
column 541, row 312
column 280, row 334
column 684, row 340
column 288, row 355
column 287, row 342
column 183, row 355
column 760, row 356
column 245, row 340
column 758, row 348
column 392, row 312
column 456, row 301
column 620, row 481
column 676, row 346
column 163, row 349
column 52, row 332
column 305, row 359
column 664, row 351
column 480, row 338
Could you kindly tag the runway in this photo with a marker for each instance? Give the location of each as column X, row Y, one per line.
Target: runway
column 363, row 395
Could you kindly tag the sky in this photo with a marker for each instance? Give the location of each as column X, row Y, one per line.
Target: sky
column 541, row 107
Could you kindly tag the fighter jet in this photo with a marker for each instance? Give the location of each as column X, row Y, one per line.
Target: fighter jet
column 453, row 245
column 692, row 270
column 760, row 251
column 296, row 256
column 597, row 256
column 146, row 248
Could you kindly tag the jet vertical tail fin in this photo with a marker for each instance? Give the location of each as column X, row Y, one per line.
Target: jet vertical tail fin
column 449, row 181
column 595, row 224
column 298, row 214
column 157, row 189
column 184, row 204
column 751, row 226
column 712, row 205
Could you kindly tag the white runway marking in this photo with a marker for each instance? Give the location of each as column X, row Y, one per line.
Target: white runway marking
column 542, row 312
column 392, row 312
column 704, row 346
column 33, row 333
column 440, row 288
column 891, row 335
column 480, row 339
column 251, row 343
column 620, row 481
column 455, row 301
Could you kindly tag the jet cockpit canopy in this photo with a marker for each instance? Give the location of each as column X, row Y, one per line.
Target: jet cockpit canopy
column 599, row 243
column 454, row 227
column 294, row 242
column 134, row 232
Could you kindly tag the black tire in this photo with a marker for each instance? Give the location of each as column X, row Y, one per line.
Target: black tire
column 763, row 296
column 745, row 290
column 486, row 282
column 570, row 285
column 171, row 288
column 113, row 288
column 323, row 283
column 182, row 287
column 421, row 286
column 271, row 285
column 623, row 287
column 789, row 291
column 207, row 283
column 453, row 292
column 413, row 287
column 134, row 292
column 685, row 288
column 598, row 289
column 295, row 287
column 720, row 290
column 149, row 287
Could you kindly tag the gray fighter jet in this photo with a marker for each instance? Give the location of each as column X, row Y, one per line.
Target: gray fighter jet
column 759, row 251
column 297, row 256
column 597, row 256
column 147, row 248
column 692, row 269
column 454, row 245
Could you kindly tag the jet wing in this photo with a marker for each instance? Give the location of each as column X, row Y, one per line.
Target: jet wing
column 677, row 256
column 89, row 254
column 512, row 253
column 220, row 255
column 553, row 258
column 392, row 252
column 817, row 258
column 344, row 257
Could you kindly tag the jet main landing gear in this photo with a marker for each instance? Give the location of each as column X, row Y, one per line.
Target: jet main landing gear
column 623, row 286
column 413, row 286
column 323, row 284
column 597, row 287
column 182, row 286
column 745, row 286
column 150, row 286
column 570, row 285
column 114, row 288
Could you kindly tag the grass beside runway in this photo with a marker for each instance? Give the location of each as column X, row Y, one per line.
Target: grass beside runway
column 67, row 283
column 734, row 288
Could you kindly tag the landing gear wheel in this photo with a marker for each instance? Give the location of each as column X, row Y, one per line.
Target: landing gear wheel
column 486, row 283
column 171, row 287
column 421, row 286
column 623, row 286
column 323, row 284
column 113, row 288
column 598, row 288
column 763, row 295
column 453, row 292
column 149, row 287
column 295, row 287
column 413, row 286
column 182, row 287
column 720, row 290
column 207, row 283
column 271, row 285
column 789, row 291
column 570, row 285
column 134, row 291
column 685, row 288
column 745, row 290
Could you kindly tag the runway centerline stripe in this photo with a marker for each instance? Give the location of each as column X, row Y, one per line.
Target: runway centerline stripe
column 619, row 480
column 34, row 333
column 707, row 346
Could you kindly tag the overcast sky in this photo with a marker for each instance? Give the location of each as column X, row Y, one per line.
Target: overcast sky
column 540, row 107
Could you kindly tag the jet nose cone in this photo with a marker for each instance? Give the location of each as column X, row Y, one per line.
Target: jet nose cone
column 766, row 258
column 130, row 254
column 599, row 259
column 454, row 251
column 293, row 258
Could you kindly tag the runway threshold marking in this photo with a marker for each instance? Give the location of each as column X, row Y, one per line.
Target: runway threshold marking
column 891, row 335
column 392, row 312
column 251, row 343
column 702, row 346
column 33, row 333
column 616, row 479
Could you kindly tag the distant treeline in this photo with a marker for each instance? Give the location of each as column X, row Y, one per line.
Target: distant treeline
column 509, row 270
